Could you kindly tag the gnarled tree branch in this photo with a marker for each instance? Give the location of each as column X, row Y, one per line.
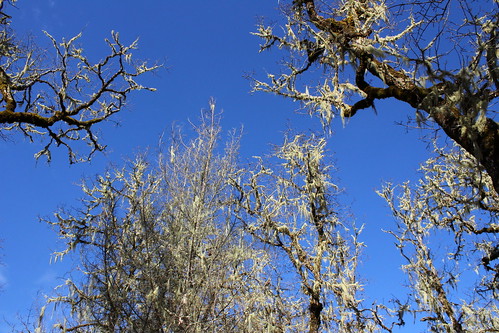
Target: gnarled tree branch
column 63, row 102
column 353, row 33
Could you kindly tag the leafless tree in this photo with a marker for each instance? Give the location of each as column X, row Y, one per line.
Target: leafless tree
column 58, row 96
column 438, row 57
column 294, row 211
column 447, row 232
column 198, row 244
column 160, row 250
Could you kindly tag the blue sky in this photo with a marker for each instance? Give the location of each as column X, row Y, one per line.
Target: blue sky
column 206, row 48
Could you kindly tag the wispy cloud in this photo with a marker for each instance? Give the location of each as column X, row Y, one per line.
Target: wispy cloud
column 48, row 279
column 3, row 278
column 36, row 13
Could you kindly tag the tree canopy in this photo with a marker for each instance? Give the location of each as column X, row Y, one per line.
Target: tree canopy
column 438, row 57
column 194, row 239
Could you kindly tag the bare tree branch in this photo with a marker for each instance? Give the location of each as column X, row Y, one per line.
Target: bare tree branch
column 62, row 103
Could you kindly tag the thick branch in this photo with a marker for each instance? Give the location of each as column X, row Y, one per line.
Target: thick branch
column 480, row 140
column 344, row 27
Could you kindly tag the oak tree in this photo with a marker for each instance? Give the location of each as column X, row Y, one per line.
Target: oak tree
column 159, row 250
column 440, row 58
column 292, row 207
column 447, row 234
column 59, row 95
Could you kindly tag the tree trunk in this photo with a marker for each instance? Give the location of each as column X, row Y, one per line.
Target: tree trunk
column 315, row 310
column 484, row 146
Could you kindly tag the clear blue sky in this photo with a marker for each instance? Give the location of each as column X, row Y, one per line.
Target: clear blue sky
column 206, row 47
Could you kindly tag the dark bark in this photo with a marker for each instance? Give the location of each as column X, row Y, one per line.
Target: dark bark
column 480, row 141
column 485, row 148
column 315, row 310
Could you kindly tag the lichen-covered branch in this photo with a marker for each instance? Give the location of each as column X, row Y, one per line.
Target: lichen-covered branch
column 294, row 210
column 61, row 100
column 159, row 250
column 453, row 205
column 396, row 52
